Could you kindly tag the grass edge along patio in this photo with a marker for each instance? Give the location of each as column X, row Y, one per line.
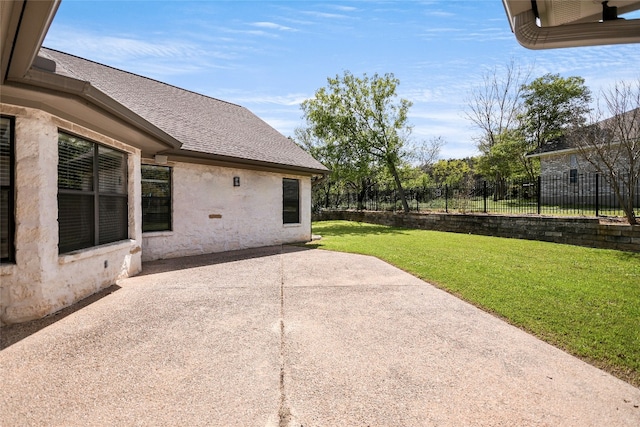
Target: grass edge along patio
column 585, row 301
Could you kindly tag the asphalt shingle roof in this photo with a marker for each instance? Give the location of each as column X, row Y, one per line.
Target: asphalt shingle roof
column 631, row 118
column 201, row 123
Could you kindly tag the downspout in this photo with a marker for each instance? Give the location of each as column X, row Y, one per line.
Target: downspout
column 531, row 36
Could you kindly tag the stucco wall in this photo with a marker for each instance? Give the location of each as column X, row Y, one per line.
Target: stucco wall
column 211, row 215
column 40, row 281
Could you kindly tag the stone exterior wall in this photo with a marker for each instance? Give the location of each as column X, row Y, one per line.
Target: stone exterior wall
column 41, row 281
column 560, row 164
column 573, row 231
column 558, row 188
column 211, row 215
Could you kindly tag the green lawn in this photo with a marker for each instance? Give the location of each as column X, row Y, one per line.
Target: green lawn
column 585, row 301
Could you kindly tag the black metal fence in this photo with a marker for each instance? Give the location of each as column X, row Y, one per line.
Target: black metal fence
column 586, row 194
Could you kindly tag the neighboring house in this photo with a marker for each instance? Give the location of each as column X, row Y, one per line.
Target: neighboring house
column 567, row 174
column 102, row 169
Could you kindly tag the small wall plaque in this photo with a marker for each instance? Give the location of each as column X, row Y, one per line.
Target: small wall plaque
column 236, row 181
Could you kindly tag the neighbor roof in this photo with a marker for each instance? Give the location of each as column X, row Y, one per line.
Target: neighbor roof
column 556, row 146
column 206, row 127
column 565, row 145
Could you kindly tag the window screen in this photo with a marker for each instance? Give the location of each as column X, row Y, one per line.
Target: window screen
column 6, row 189
column 92, row 194
column 156, row 198
column 290, row 201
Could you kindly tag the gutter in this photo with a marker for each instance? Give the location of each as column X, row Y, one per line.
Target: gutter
column 531, row 36
column 180, row 155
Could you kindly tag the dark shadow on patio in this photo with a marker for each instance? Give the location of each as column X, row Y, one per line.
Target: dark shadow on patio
column 183, row 263
column 12, row 334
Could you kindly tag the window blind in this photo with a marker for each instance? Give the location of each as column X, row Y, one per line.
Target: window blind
column 92, row 194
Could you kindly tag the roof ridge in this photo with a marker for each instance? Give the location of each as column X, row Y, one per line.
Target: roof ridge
column 144, row 77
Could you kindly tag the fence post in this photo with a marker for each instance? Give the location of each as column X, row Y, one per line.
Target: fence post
column 446, row 198
column 597, row 195
column 484, row 195
column 377, row 193
column 539, row 195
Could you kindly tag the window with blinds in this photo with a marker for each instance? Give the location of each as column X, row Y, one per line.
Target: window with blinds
column 156, row 198
column 92, row 194
column 290, row 201
column 7, row 189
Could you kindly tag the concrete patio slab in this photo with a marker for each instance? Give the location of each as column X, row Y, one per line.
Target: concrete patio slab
column 372, row 345
column 294, row 337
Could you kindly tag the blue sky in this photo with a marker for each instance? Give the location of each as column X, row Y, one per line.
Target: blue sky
column 271, row 55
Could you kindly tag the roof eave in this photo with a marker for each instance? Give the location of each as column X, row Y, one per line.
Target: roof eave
column 83, row 89
column 228, row 161
column 27, row 23
column 570, row 150
column 552, row 153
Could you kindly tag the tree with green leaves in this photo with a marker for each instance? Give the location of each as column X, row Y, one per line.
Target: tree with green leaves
column 551, row 105
column 452, row 172
column 364, row 119
column 348, row 172
column 508, row 158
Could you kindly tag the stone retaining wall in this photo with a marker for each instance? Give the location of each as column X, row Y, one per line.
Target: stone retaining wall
column 588, row 232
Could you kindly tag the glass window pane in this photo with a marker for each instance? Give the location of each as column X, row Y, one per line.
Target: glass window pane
column 88, row 217
column 156, row 181
column 113, row 219
column 156, row 198
column 290, row 201
column 5, row 151
column 4, row 224
column 112, row 166
column 75, row 163
column 156, row 214
column 6, row 189
column 75, row 222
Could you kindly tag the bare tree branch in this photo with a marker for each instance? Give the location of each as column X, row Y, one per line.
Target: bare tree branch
column 612, row 146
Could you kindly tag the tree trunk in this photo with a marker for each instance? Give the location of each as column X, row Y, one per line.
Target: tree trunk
column 362, row 194
column 626, row 203
column 327, row 195
column 396, row 178
column 628, row 210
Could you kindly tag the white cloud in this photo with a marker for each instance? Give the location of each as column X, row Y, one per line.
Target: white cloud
column 343, row 8
column 294, row 99
column 324, row 15
column 149, row 57
column 272, row 26
column 439, row 13
column 282, row 125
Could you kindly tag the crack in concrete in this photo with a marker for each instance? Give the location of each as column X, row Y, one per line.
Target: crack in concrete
column 284, row 412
